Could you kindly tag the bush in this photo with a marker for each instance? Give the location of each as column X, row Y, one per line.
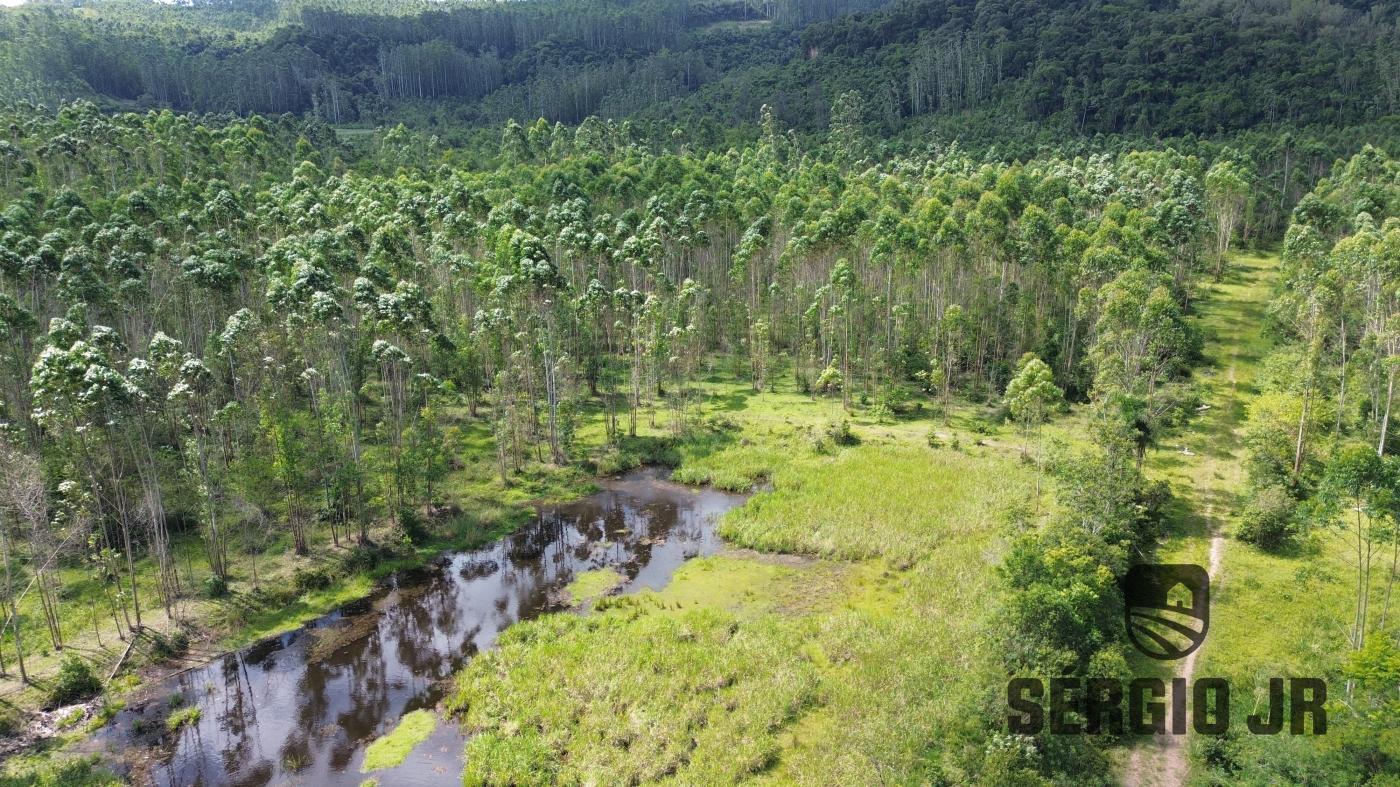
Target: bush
column 413, row 526
column 1268, row 520
column 74, row 682
column 830, row 381
column 215, row 587
column 165, row 647
column 362, row 558
column 839, row 432
column 894, row 398
column 311, row 578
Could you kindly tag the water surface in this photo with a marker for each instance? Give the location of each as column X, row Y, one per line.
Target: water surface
column 301, row 708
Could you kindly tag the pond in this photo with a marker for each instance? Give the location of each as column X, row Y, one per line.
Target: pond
column 301, row 708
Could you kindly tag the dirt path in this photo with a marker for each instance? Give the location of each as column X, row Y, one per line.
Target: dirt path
column 1206, row 472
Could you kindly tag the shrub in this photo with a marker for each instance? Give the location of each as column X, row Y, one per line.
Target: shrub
column 311, row 578
column 167, row 646
column 934, row 441
column 839, row 432
column 413, row 526
column 74, row 682
column 830, row 381
column 1268, row 520
column 361, row 558
column 894, row 398
column 215, row 587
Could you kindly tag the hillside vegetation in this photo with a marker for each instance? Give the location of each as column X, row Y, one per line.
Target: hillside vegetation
column 1087, row 66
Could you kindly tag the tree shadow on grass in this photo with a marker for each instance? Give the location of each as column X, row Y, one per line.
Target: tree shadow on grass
column 731, row 402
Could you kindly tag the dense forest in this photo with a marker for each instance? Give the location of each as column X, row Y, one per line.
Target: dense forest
column 185, row 327
column 1086, row 66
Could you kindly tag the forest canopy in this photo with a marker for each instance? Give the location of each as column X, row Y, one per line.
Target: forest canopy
column 1087, row 66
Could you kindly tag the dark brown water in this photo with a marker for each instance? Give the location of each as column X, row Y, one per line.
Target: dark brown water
column 302, row 707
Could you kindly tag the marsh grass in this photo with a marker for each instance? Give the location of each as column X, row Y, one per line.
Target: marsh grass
column 591, row 585
column 42, row 770
column 896, row 502
column 182, row 717
column 870, row 655
column 390, row 750
column 628, row 696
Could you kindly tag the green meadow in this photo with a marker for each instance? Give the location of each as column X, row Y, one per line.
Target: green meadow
column 846, row 631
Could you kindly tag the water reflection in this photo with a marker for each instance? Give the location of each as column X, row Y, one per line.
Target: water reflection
column 300, row 708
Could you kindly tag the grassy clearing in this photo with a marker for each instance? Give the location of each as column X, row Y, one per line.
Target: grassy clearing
column 873, row 658
column 1203, row 463
column 389, row 751
column 899, row 502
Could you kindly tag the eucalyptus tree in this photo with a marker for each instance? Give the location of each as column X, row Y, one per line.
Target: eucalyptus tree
column 79, row 396
column 195, row 400
column 24, row 504
column 1227, row 190
column 1032, row 394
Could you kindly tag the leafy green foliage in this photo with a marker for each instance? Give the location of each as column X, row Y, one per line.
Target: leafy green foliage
column 1269, row 520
